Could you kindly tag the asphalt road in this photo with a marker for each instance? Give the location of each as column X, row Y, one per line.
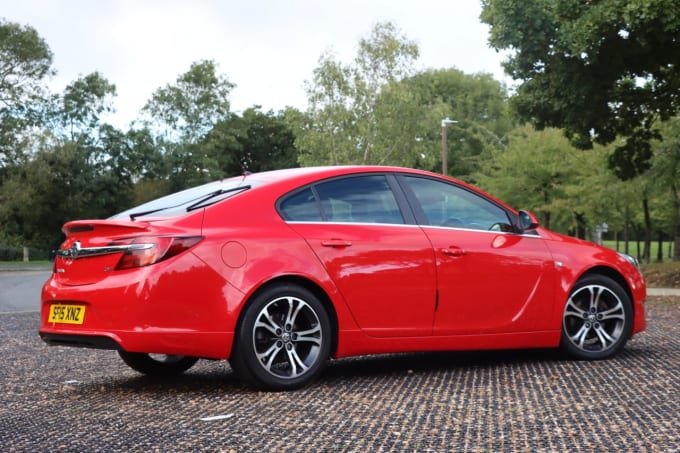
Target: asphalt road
column 20, row 291
column 69, row 399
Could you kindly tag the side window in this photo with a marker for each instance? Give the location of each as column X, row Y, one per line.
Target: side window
column 450, row 206
column 359, row 199
column 301, row 207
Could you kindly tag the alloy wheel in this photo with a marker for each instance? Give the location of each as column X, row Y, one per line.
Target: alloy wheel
column 287, row 337
column 594, row 319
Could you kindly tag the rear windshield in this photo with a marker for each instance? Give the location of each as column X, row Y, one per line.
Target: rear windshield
column 187, row 200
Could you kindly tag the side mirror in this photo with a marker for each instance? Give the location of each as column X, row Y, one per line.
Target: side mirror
column 527, row 221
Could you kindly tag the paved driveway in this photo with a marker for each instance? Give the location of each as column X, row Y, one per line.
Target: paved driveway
column 66, row 399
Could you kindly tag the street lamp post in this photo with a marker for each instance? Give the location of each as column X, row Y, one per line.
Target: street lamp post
column 445, row 152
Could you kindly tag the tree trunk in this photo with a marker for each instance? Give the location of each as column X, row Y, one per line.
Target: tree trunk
column 580, row 218
column 616, row 238
column 626, row 231
column 676, row 222
column 646, row 254
column 676, row 243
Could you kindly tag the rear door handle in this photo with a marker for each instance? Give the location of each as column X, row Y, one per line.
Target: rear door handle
column 454, row 251
column 336, row 243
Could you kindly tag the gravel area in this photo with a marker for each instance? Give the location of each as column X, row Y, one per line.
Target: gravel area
column 66, row 399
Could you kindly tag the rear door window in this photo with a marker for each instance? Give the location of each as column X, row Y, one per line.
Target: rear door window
column 355, row 199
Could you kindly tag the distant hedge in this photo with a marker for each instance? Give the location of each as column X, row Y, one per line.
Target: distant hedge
column 11, row 253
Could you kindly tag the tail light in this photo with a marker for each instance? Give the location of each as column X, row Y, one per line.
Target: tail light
column 144, row 251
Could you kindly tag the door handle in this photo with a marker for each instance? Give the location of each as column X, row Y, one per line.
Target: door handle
column 336, row 243
column 454, row 251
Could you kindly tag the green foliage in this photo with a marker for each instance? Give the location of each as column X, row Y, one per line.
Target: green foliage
column 253, row 142
column 351, row 107
column 532, row 172
column 665, row 174
column 599, row 69
column 61, row 183
column 323, row 134
column 83, row 102
column 186, row 111
column 12, row 253
column 79, row 168
column 25, row 60
column 59, row 161
column 479, row 105
column 377, row 110
column 9, row 253
column 180, row 116
column 25, row 63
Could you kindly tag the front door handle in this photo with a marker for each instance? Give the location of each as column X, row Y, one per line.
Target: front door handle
column 336, row 243
column 454, row 251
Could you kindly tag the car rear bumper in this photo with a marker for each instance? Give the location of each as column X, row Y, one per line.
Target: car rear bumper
column 177, row 307
column 82, row 341
column 210, row 345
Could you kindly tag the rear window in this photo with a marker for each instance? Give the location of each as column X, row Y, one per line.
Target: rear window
column 353, row 199
column 184, row 201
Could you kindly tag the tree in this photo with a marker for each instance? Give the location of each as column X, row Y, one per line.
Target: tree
column 25, row 64
column 79, row 167
column 479, row 105
column 186, row 111
column 83, row 102
column 665, row 172
column 55, row 186
column 353, row 108
column 533, row 173
column 255, row 141
column 598, row 69
column 181, row 115
column 378, row 110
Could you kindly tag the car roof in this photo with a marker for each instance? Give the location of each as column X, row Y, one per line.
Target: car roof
column 301, row 175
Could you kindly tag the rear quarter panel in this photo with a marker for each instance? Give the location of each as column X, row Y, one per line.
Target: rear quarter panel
column 250, row 247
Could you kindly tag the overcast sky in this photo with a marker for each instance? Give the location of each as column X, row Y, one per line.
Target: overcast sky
column 267, row 48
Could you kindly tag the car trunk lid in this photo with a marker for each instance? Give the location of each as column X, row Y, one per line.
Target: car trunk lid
column 93, row 249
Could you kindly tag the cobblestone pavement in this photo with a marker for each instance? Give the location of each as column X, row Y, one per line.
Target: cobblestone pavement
column 66, row 399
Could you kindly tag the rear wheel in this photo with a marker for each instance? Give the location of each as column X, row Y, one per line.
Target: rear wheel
column 283, row 339
column 597, row 319
column 157, row 365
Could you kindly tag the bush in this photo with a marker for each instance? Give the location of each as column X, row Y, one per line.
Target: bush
column 12, row 253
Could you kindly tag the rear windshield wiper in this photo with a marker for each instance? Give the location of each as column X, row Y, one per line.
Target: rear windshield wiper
column 191, row 207
column 134, row 215
column 199, row 203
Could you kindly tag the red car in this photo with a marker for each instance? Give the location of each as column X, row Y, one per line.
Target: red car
column 279, row 271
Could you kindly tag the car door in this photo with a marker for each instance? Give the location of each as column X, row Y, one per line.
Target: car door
column 383, row 267
column 490, row 279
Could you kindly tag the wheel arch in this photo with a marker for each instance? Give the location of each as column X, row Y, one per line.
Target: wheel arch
column 309, row 285
column 614, row 275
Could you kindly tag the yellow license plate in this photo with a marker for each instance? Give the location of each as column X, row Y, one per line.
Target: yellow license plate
column 67, row 314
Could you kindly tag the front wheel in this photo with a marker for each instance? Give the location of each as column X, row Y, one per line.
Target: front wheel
column 597, row 319
column 283, row 339
column 157, row 365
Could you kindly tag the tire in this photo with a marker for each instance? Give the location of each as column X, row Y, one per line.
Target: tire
column 157, row 365
column 597, row 319
column 283, row 339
